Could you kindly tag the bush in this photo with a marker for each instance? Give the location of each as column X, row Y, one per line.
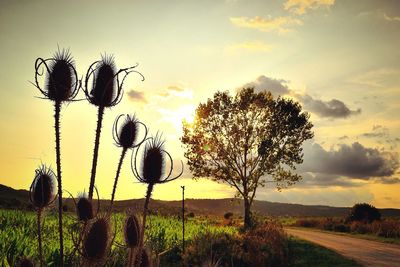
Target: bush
column 341, row 228
column 228, row 215
column 265, row 245
column 310, row 223
column 364, row 213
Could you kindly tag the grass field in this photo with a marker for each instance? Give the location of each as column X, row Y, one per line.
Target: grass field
column 18, row 235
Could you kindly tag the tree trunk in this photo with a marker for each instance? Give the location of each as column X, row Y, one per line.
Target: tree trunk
column 247, row 213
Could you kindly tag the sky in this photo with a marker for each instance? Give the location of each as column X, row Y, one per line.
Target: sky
column 339, row 59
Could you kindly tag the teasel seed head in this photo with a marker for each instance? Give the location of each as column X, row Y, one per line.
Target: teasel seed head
column 84, row 209
column 153, row 163
column 145, row 261
column 25, row 262
column 132, row 231
column 106, row 88
column 62, row 82
column 43, row 189
column 97, row 239
column 125, row 136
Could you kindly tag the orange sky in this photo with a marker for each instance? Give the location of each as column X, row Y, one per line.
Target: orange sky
column 339, row 59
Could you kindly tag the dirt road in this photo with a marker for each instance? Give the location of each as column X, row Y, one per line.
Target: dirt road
column 366, row 252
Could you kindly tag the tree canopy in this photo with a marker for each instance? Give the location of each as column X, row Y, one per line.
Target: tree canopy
column 246, row 139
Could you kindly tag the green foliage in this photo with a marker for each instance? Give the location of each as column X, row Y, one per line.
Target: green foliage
column 241, row 140
column 18, row 228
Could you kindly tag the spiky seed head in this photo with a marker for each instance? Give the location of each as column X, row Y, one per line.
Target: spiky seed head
column 104, row 91
column 145, row 261
column 128, row 132
column 132, row 231
column 84, row 209
column 25, row 262
column 43, row 188
column 153, row 161
column 96, row 241
column 61, row 77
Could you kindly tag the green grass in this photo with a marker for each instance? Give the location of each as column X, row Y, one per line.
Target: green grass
column 306, row 254
column 19, row 237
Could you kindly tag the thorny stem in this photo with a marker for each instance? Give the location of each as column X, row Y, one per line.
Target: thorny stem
column 131, row 256
column 121, row 159
column 145, row 209
column 39, row 218
column 96, row 150
column 58, row 161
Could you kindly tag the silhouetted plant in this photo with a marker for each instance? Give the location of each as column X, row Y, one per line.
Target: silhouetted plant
column 25, row 262
column 132, row 236
column 364, row 212
column 125, row 137
column 106, row 91
column 84, row 209
column 42, row 193
column 151, row 173
column 96, row 242
column 62, row 85
column 144, row 260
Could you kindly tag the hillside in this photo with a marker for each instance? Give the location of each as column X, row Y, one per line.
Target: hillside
column 19, row 199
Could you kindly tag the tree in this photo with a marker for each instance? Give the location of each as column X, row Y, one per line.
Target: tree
column 242, row 140
column 364, row 212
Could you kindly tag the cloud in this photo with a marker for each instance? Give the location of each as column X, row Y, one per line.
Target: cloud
column 177, row 91
column 332, row 109
column 388, row 18
column 279, row 24
column 353, row 161
column 301, row 6
column 136, row 95
column 254, row 46
column 326, row 180
column 275, row 86
column 378, row 78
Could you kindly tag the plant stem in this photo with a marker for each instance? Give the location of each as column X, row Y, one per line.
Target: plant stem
column 58, row 161
column 121, row 159
column 131, row 257
column 39, row 218
column 145, row 209
column 96, row 150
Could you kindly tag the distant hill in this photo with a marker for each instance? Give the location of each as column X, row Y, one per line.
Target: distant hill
column 19, row 199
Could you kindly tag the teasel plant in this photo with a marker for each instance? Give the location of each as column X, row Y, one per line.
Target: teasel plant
column 105, row 92
column 42, row 193
column 151, row 172
column 131, row 236
column 26, row 262
column 62, row 85
column 125, row 136
column 97, row 240
column 144, row 260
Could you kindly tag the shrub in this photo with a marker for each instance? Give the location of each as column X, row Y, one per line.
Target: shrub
column 228, row 215
column 341, row 228
column 265, row 245
column 364, row 212
column 359, row 227
column 307, row 223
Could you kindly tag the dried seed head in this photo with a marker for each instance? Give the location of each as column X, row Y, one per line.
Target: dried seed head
column 105, row 90
column 25, row 262
column 153, row 161
column 84, row 209
column 97, row 240
column 43, row 189
column 126, row 135
column 61, row 77
column 145, row 261
column 132, row 231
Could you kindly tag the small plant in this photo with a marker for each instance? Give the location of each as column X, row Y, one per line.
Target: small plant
column 62, row 85
column 96, row 242
column 125, row 137
column 106, row 91
column 151, row 173
column 42, row 194
column 25, row 262
column 132, row 236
